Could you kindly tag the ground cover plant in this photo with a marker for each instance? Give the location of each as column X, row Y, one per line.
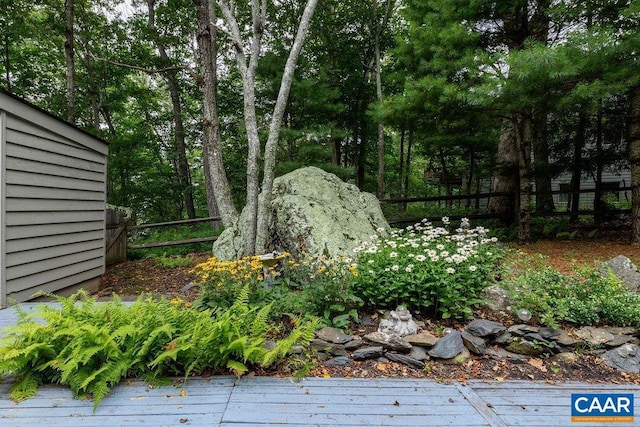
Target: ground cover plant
column 590, row 297
column 91, row 346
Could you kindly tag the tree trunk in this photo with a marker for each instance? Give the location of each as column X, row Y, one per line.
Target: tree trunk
column 69, row 57
column 576, row 173
column 7, row 63
column 505, row 178
column 380, row 144
column 407, row 168
column 180, row 149
column 542, row 173
column 402, row 207
column 264, row 207
column 597, row 201
column 634, row 155
column 219, row 200
column 248, row 75
column 524, row 137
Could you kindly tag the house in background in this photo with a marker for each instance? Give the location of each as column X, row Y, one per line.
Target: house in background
column 52, row 204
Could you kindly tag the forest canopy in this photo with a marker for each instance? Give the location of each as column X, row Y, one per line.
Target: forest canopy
column 203, row 102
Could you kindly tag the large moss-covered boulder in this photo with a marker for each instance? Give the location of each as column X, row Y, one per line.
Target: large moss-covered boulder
column 313, row 213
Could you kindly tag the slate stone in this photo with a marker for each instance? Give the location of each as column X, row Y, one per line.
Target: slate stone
column 405, row 360
column 625, row 358
column 503, row 338
column 418, row 353
column 463, row 357
column 528, row 348
column 594, row 336
column 339, row 361
column 474, row 344
column 389, row 342
column 333, row 335
column 483, row 328
column 354, row 344
column 501, row 353
column 423, row 339
column 622, row 330
column 522, row 330
column 564, row 339
column 547, row 332
column 327, row 347
column 618, row 340
column 366, row 353
column 567, row 357
column 448, row 346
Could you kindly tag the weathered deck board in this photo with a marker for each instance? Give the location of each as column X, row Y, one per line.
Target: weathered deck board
column 268, row 401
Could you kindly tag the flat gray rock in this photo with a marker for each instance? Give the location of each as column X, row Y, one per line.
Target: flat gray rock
column 405, row 360
column 333, row 335
column 625, row 358
column 594, row 336
column 389, row 342
column 366, row 353
column 424, row 339
column 483, row 328
column 475, row 344
column 339, row 361
column 448, row 346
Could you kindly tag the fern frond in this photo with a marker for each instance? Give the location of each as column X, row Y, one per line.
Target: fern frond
column 24, row 387
column 237, row 367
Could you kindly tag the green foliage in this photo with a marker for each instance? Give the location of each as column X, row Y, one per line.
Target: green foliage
column 168, row 234
column 91, row 346
column 590, row 298
column 427, row 268
column 175, row 261
column 320, row 287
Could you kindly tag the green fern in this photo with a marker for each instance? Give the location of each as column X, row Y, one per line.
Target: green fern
column 91, row 346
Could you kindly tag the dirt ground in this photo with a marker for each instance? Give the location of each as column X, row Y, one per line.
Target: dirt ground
column 133, row 278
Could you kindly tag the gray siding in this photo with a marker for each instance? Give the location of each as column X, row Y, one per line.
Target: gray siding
column 53, row 204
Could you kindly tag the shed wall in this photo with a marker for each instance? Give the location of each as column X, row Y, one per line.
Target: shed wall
column 53, row 213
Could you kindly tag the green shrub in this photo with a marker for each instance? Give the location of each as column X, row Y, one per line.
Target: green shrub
column 319, row 287
column 589, row 298
column 91, row 346
column 427, row 268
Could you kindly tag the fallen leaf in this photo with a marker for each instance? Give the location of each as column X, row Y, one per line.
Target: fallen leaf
column 183, row 393
column 538, row 364
column 499, row 379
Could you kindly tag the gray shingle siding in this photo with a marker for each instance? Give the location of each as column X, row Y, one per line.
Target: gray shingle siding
column 53, row 203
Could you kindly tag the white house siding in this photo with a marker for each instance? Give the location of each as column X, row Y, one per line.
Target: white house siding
column 53, row 204
column 623, row 179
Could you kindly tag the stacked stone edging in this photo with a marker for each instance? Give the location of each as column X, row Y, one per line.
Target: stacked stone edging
column 617, row 347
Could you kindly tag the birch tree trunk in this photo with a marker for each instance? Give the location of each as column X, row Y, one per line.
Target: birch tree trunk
column 219, row 199
column 634, row 154
column 248, row 74
column 274, row 128
column 69, row 57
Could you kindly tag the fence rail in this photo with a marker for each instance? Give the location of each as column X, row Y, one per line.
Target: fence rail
column 117, row 230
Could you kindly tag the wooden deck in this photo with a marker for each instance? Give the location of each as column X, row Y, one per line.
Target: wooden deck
column 267, row 401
